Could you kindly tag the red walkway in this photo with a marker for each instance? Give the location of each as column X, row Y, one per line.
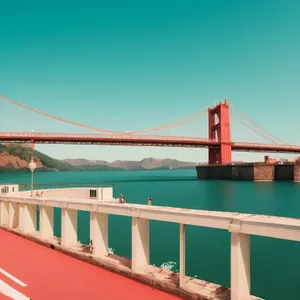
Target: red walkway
column 49, row 274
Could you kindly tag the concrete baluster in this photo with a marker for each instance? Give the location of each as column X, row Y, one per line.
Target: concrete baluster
column 240, row 264
column 21, row 215
column 46, row 222
column 68, row 227
column 182, row 255
column 13, row 215
column 140, row 244
column 29, row 218
column 4, row 212
column 99, row 233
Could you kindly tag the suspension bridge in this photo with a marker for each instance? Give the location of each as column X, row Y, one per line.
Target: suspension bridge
column 219, row 141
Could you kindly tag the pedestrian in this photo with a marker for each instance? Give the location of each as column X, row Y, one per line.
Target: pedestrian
column 149, row 201
column 122, row 199
column 91, row 246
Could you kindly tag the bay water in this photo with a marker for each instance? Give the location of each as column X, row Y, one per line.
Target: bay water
column 274, row 263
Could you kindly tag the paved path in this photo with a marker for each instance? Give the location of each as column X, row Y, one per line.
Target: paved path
column 31, row 271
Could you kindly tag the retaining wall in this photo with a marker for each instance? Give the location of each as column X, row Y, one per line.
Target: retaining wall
column 251, row 172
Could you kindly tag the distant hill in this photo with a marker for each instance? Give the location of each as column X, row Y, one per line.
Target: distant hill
column 82, row 161
column 16, row 157
column 145, row 164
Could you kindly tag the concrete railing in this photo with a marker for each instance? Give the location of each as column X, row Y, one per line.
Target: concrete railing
column 21, row 212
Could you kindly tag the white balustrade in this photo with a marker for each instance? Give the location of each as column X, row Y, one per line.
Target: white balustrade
column 4, row 212
column 29, row 218
column 182, row 255
column 16, row 212
column 46, row 221
column 13, row 215
column 140, row 244
column 68, row 227
column 99, row 233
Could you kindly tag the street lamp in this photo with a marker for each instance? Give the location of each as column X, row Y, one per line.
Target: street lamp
column 32, row 166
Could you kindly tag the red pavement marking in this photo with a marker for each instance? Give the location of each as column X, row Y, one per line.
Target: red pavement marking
column 50, row 274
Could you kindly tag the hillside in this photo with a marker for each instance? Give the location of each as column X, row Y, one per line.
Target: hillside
column 16, row 157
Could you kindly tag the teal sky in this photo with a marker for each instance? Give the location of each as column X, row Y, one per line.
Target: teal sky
column 129, row 65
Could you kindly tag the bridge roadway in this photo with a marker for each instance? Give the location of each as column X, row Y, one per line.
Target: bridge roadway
column 138, row 140
column 31, row 271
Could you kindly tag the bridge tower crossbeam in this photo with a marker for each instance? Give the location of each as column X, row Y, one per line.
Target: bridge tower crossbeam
column 219, row 129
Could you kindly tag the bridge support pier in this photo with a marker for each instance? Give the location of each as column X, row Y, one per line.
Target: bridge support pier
column 99, row 233
column 46, row 221
column 140, row 244
column 29, row 218
column 240, row 266
column 68, row 227
column 219, row 130
column 13, row 215
column 4, row 212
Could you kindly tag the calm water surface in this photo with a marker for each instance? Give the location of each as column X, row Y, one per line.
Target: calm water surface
column 275, row 263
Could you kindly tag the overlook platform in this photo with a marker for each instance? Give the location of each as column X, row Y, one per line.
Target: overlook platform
column 43, row 269
column 42, row 273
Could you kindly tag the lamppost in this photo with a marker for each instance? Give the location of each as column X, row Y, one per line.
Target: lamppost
column 32, row 166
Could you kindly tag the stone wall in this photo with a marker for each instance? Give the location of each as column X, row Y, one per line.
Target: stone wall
column 251, row 171
column 202, row 172
column 243, row 172
column 220, row 172
column 284, row 172
column 263, row 172
column 297, row 173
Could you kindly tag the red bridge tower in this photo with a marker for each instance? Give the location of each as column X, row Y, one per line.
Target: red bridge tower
column 219, row 129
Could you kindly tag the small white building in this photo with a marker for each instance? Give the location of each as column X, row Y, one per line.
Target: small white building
column 8, row 188
column 105, row 194
column 92, row 193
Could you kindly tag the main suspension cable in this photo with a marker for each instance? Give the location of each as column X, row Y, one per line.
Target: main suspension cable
column 164, row 126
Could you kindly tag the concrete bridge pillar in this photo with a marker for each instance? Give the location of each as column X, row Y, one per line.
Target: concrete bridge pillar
column 240, row 266
column 46, row 221
column 13, row 221
column 140, row 244
column 4, row 212
column 29, row 218
column 68, row 227
column 99, row 233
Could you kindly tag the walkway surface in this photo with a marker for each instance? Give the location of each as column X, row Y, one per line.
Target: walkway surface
column 31, row 271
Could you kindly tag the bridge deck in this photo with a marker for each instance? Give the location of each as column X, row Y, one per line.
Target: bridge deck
column 137, row 140
column 49, row 274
